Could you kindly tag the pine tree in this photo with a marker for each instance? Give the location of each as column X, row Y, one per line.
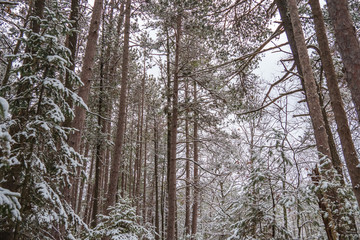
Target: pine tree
column 40, row 160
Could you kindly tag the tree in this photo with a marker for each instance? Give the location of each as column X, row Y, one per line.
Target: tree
column 40, row 160
column 349, row 47
column 347, row 144
column 173, row 139
column 86, row 73
column 116, row 161
column 319, row 131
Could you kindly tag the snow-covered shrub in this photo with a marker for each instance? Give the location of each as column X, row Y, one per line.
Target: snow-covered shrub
column 122, row 223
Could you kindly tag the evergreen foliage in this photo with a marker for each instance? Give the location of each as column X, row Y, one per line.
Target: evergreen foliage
column 40, row 161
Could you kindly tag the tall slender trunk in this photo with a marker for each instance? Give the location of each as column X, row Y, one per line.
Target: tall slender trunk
column 138, row 158
column 163, row 202
column 87, row 211
column 196, row 171
column 349, row 47
column 326, row 213
column 343, row 129
column 144, row 207
column 156, row 178
column 71, row 43
column 78, row 206
column 84, row 91
column 112, row 70
column 99, row 156
column 174, row 125
column 143, row 141
column 321, row 137
column 187, row 164
column 86, row 73
column 168, row 116
column 116, row 162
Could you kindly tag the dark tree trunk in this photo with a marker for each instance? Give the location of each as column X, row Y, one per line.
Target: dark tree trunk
column 314, row 106
column 196, row 171
column 116, row 162
column 349, row 47
column 174, row 125
column 168, row 118
column 187, row 164
column 156, row 162
column 84, row 91
column 347, row 144
column 88, row 62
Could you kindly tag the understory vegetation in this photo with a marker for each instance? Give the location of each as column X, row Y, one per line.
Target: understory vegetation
column 169, row 119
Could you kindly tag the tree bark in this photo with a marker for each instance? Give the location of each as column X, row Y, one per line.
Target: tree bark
column 84, row 91
column 86, row 73
column 138, row 158
column 143, row 140
column 116, row 162
column 313, row 102
column 112, row 70
column 144, row 205
column 196, row 172
column 343, row 129
column 156, row 162
column 172, row 163
column 99, row 157
column 168, row 120
column 90, row 187
column 71, row 43
column 187, row 164
column 349, row 47
column 78, row 206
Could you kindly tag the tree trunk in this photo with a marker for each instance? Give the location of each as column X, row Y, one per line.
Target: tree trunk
column 163, row 201
column 116, row 162
column 71, row 43
column 86, row 73
column 99, row 157
column 168, row 118
column 349, row 47
column 111, row 73
column 156, row 162
column 84, row 91
column 138, row 158
column 313, row 102
column 89, row 193
column 143, row 140
column 187, row 164
column 78, row 206
column 172, row 163
column 196, row 172
column 343, row 129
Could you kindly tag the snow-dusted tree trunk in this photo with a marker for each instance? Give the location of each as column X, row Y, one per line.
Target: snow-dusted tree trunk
column 86, row 73
column 174, row 125
column 187, row 164
column 195, row 206
column 116, row 161
column 330, row 194
column 156, row 179
column 347, row 144
column 349, row 47
column 71, row 43
column 84, row 91
column 110, row 73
